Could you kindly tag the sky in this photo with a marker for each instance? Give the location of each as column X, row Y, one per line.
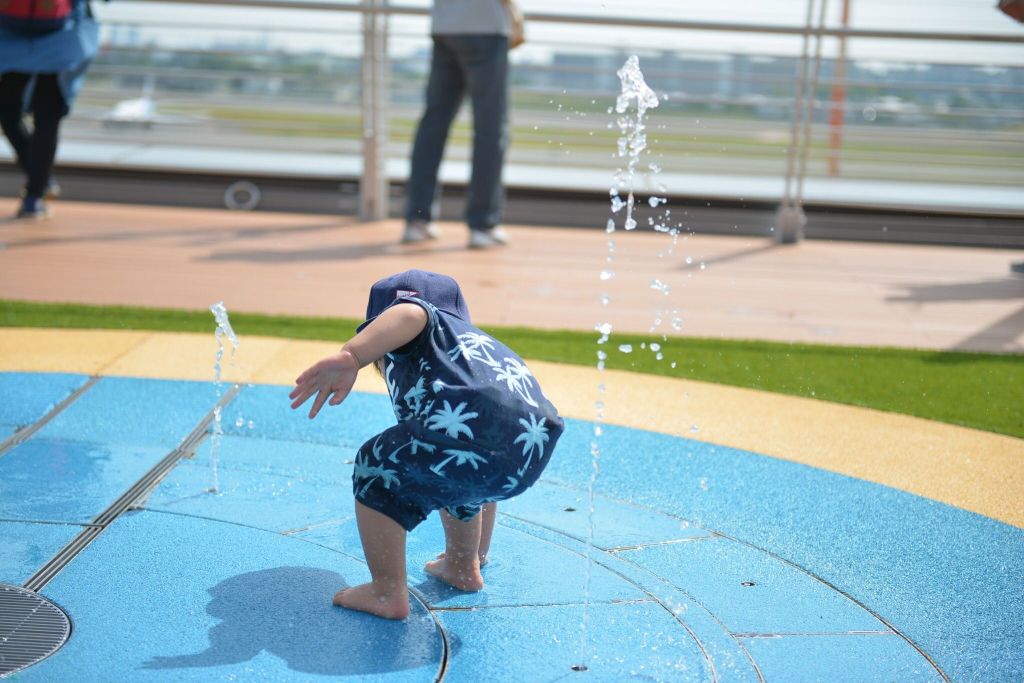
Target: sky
column 296, row 30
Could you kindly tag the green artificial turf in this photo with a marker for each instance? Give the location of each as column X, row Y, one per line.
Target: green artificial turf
column 984, row 391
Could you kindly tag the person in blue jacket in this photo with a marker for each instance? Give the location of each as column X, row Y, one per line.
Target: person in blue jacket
column 41, row 73
column 473, row 428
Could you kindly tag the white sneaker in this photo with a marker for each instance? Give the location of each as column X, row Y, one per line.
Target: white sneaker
column 419, row 231
column 484, row 239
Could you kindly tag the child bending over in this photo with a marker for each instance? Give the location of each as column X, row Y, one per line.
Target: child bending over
column 473, row 428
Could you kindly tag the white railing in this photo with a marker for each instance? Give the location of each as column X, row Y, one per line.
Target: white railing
column 291, row 78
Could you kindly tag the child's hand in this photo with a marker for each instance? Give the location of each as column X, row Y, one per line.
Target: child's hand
column 333, row 375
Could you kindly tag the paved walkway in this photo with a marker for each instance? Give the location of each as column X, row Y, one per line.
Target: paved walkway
column 842, row 293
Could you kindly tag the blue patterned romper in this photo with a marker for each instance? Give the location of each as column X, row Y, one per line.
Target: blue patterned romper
column 473, row 426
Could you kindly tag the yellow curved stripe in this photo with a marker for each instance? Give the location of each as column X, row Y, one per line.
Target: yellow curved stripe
column 967, row 468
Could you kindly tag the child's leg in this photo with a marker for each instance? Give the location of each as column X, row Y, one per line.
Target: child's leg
column 487, row 517
column 383, row 542
column 460, row 565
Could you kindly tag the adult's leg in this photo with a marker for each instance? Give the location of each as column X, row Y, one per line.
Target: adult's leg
column 383, row 542
column 485, row 59
column 445, row 90
column 12, row 120
column 48, row 109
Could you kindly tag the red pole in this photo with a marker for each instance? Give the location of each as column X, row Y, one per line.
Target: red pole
column 835, row 137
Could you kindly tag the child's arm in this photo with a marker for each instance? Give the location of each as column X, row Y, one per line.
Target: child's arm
column 392, row 329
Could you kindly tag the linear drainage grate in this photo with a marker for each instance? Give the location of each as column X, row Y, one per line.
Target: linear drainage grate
column 137, row 492
column 31, row 628
column 23, row 435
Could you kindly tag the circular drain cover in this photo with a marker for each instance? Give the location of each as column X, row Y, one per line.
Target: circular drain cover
column 31, row 628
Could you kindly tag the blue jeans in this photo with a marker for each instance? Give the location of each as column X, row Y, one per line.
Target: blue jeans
column 477, row 64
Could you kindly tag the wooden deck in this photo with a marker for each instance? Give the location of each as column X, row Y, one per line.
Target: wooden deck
column 742, row 288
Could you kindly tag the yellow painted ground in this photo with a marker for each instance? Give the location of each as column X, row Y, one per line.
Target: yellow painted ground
column 971, row 469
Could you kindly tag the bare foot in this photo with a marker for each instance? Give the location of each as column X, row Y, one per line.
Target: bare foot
column 465, row 579
column 369, row 598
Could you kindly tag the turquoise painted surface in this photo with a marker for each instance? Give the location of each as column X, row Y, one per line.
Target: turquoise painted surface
column 624, row 642
column 324, row 463
column 752, row 592
column 943, row 576
column 26, row 546
column 266, row 501
column 840, row 659
column 117, row 410
column 28, row 396
column 168, row 598
column 44, row 479
column 347, row 426
column 615, row 524
column 946, row 578
column 524, row 570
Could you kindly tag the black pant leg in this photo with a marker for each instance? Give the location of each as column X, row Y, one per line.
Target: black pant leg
column 12, row 120
column 47, row 111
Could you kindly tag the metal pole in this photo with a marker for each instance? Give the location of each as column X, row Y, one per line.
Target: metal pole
column 373, row 186
column 812, row 99
column 835, row 137
column 789, row 219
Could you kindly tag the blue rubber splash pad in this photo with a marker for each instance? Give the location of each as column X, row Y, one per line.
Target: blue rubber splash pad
column 697, row 563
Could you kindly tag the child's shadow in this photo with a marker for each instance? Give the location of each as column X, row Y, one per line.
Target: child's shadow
column 287, row 612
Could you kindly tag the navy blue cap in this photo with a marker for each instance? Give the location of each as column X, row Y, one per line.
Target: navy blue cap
column 434, row 288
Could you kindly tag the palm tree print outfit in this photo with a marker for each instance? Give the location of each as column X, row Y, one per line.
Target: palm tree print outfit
column 473, row 425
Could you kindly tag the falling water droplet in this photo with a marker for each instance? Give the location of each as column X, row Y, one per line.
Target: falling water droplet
column 607, row 274
column 626, row 348
column 655, row 346
column 660, row 286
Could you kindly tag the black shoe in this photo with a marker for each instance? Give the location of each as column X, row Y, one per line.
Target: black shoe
column 33, row 208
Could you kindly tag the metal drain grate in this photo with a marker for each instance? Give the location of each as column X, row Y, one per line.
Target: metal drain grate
column 31, row 628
